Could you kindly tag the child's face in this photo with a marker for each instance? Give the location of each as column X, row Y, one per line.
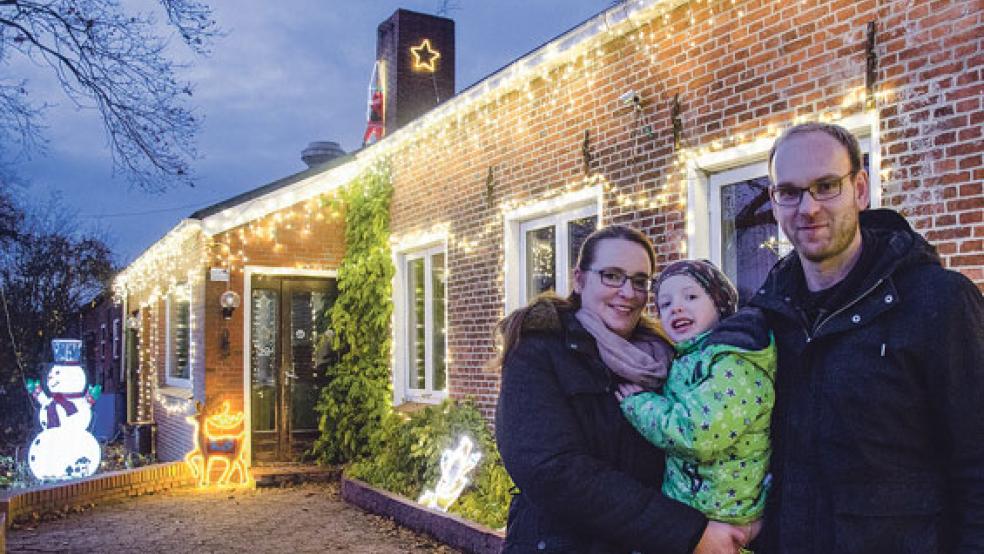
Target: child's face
column 685, row 309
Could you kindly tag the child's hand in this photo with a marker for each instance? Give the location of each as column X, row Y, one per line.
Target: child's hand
column 626, row 390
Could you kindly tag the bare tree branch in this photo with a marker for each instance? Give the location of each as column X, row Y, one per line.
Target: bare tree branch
column 114, row 62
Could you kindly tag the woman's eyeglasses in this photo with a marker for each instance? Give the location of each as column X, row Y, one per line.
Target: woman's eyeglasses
column 616, row 278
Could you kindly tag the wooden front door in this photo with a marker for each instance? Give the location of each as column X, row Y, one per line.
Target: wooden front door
column 289, row 353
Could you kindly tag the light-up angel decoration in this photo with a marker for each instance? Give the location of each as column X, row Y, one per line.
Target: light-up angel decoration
column 455, row 466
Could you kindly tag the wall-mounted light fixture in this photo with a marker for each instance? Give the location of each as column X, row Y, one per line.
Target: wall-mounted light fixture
column 133, row 322
column 229, row 301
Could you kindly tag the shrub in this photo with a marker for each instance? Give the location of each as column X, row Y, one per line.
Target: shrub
column 408, row 459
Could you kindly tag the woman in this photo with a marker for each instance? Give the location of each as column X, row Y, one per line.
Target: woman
column 588, row 481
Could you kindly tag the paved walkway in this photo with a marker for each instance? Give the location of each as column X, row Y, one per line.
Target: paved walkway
column 306, row 518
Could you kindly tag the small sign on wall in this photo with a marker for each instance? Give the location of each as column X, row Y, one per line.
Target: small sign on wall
column 218, row 274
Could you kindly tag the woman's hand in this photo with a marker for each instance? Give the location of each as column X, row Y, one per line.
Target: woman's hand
column 722, row 538
column 752, row 530
column 626, row 390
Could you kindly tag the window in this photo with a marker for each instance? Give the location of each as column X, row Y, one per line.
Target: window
column 731, row 213
column 116, row 338
column 542, row 244
column 179, row 336
column 421, row 326
column 102, row 342
column 549, row 247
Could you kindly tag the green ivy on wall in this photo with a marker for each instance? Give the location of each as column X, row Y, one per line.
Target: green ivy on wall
column 390, row 450
column 357, row 396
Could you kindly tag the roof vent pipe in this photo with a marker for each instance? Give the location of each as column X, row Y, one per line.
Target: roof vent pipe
column 320, row 152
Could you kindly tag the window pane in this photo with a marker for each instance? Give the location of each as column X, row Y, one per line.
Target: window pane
column 438, row 280
column 416, row 342
column 263, row 358
column 749, row 234
column 540, row 261
column 180, row 336
column 577, row 231
column 304, row 306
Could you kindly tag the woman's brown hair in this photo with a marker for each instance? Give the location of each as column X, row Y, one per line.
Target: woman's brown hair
column 509, row 330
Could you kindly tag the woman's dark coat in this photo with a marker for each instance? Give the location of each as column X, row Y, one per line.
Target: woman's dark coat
column 588, row 481
column 878, row 428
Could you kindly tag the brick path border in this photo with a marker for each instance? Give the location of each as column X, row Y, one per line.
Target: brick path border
column 102, row 487
column 447, row 528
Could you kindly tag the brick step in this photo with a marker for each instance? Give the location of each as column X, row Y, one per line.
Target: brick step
column 294, row 474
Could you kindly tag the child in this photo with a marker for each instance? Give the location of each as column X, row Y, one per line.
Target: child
column 712, row 417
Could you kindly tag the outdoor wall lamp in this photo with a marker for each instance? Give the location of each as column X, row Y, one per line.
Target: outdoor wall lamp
column 133, row 322
column 229, row 301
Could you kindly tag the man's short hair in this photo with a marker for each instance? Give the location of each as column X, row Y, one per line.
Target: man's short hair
column 838, row 133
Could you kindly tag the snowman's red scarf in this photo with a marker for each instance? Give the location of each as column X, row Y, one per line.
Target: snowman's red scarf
column 65, row 401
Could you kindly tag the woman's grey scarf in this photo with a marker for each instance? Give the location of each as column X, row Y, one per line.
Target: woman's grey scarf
column 642, row 359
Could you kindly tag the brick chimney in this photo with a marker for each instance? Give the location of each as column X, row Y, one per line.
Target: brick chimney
column 418, row 70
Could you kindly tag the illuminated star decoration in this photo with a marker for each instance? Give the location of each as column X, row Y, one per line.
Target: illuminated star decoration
column 425, row 57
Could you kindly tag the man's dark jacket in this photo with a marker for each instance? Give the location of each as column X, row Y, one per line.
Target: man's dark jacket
column 878, row 429
column 589, row 482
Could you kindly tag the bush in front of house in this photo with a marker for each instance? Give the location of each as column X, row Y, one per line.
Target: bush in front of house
column 408, row 455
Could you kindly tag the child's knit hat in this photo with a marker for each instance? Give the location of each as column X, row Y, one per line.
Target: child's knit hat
column 714, row 282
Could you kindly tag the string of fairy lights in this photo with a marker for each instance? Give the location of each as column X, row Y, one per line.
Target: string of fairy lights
column 561, row 79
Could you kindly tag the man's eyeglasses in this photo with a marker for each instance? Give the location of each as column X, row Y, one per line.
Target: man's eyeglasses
column 616, row 278
column 821, row 189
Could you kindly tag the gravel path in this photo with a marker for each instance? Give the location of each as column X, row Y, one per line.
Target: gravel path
column 305, row 518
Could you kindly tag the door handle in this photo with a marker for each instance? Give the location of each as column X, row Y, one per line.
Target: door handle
column 291, row 375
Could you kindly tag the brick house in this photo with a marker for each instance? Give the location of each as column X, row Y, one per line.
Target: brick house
column 102, row 336
column 655, row 113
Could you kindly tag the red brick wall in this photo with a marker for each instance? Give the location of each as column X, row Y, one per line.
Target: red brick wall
column 742, row 70
column 307, row 235
column 100, row 488
column 306, row 241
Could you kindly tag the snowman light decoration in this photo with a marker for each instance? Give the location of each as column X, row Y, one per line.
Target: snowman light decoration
column 64, row 449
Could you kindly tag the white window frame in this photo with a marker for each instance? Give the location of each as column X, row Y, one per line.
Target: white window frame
column 708, row 172
column 169, row 379
column 557, row 211
column 401, row 345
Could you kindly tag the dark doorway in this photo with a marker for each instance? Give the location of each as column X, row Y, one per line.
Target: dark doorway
column 289, row 354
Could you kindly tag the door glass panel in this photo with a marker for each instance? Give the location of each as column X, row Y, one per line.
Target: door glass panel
column 415, row 324
column 577, row 231
column 305, row 307
column 749, row 234
column 263, row 358
column 540, row 261
column 437, row 294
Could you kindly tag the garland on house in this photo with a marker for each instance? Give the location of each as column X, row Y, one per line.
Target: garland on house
column 356, row 399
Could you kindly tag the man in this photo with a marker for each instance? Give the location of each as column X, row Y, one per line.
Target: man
column 878, row 430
